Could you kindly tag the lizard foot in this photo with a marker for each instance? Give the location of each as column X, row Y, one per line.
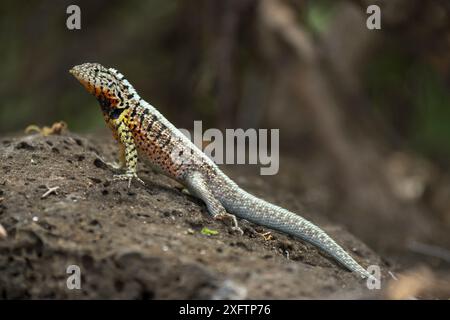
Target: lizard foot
column 232, row 218
column 186, row 191
column 128, row 176
column 114, row 165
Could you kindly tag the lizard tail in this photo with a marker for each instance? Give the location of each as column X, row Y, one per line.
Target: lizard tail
column 249, row 207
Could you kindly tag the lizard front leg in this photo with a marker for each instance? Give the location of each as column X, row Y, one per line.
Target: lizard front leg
column 198, row 187
column 128, row 154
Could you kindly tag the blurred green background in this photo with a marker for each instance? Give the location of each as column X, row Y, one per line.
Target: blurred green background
column 205, row 60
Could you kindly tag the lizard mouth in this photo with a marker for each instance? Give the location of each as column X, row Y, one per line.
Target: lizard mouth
column 85, row 69
column 83, row 77
column 75, row 71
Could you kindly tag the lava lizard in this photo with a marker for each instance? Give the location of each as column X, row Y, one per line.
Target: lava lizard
column 141, row 130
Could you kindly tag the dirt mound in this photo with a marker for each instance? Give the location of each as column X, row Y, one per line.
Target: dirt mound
column 145, row 242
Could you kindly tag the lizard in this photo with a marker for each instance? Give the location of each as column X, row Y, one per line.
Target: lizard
column 143, row 132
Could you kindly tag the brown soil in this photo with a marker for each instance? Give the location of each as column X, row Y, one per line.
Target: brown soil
column 146, row 242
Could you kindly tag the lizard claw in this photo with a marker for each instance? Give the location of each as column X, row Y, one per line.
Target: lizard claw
column 128, row 176
column 114, row 165
column 232, row 218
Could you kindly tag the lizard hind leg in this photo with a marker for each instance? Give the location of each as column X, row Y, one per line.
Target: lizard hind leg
column 198, row 187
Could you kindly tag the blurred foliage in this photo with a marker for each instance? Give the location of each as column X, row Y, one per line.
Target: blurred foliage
column 144, row 39
column 412, row 98
column 319, row 14
column 38, row 50
column 431, row 120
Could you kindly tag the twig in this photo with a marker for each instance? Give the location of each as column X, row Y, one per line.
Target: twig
column 49, row 191
column 430, row 250
column 393, row 275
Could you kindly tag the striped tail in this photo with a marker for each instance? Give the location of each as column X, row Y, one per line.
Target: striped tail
column 249, row 207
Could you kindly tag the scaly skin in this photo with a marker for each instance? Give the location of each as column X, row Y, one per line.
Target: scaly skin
column 142, row 131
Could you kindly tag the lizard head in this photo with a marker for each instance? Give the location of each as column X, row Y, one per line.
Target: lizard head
column 112, row 90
